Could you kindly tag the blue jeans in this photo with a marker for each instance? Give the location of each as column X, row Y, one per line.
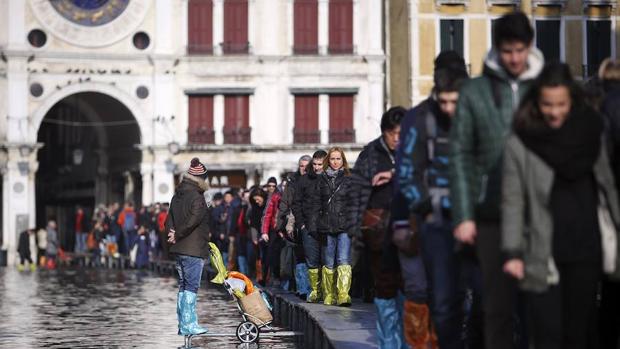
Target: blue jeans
column 189, row 269
column 80, row 242
column 414, row 278
column 337, row 250
column 312, row 250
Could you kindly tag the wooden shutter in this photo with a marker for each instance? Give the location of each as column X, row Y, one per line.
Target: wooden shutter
column 599, row 44
column 200, row 27
column 306, row 24
column 235, row 26
column 548, row 38
column 200, row 125
column 341, row 119
column 237, row 119
column 451, row 31
column 341, row 26
column 306, row 119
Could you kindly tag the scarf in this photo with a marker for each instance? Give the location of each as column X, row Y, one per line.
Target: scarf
column 570, row 150
column 333, row 173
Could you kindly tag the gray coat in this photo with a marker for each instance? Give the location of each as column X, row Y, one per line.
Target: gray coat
column 527, row 224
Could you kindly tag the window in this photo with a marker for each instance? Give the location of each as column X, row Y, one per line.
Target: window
column 341, row 119
column 306, row 23
column 451, row 35
column 235, row 27
column 200, row 126
column 306, row 119
column 237, row 119
column 341, row 26
column 599, row 45
column 200, row 27
column 548, row 38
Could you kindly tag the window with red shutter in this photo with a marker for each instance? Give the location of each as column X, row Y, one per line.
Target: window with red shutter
column 237, row 119
column 306, row 26
column 340, row 26
column 200, row 27
column 235, row 27
column 200, row 125
column 306, row 119
column 341, row 119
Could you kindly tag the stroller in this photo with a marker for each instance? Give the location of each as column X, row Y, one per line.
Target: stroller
column 252, row 304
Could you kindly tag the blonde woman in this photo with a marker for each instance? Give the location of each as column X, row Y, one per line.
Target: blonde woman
column 331, row 220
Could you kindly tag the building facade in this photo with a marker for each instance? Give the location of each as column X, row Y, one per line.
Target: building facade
column 105, row 101
column 579, row 32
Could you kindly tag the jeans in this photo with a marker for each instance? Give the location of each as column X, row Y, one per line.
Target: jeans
column 243, row 265
column 189, row 269
column 312, row 250
column 80, row 242
column 414, row 278
column 337, row 251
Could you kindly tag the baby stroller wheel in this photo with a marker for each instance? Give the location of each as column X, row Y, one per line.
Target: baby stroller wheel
column 248, row 332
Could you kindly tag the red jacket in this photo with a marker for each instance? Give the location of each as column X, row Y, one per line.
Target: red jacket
column 271, row 213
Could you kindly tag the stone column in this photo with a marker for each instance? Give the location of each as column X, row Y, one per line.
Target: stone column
column 146, row 169
column 324, row 118
column 218, row 26
column 163, row 176
column 323, row 26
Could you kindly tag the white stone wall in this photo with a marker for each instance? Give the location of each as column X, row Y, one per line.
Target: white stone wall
column 64, row 67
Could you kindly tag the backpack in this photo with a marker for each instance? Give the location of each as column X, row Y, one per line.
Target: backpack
column 130, row 221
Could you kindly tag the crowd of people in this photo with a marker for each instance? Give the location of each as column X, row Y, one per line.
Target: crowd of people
column 484, row 217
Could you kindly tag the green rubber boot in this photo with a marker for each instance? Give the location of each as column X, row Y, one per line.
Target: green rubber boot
column 315, row 280
column 327, row 284
column 343, row 285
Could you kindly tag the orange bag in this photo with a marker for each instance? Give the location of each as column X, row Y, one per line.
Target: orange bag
column 91, row 242
column 249, row 286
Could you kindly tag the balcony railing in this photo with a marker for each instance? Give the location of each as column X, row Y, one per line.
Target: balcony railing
column 235, row 48
column 599, row 3
column 451, row 2
column 303, row 137
column 342, row 136
column 504, row 2
column 305, row 49
column 237, row 135
column 201, row 135
column 341, row 49
column 199, row 49
column 561, row 3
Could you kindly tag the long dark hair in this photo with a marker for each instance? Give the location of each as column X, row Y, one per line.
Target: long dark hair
column 528, row 116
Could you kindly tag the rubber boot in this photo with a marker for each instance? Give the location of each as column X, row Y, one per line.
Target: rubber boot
column 329, row 291
column 20, row 267
column 33, row 267
column 190, row 318
column 301, row 280
column 315, row 279
column 389, row 324
column 417, row 326
column 179, row 310
column 343, row 285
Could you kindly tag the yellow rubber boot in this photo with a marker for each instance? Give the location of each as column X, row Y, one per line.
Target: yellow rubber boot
column 20, row 267
column 329, row 291
column 33, row 267
column 343, row 285
column 315, row 279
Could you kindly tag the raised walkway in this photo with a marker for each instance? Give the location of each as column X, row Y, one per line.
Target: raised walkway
column 326, row 327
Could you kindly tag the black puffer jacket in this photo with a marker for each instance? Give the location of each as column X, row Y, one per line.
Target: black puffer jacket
column 302, row 206
column 189, row 217
column 331, row 205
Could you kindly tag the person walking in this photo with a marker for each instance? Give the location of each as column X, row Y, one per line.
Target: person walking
column 477, row 136
column 556, row 181
column 187, row 225
column 23, row 248
column 270, row 233
column 372, row 194
column 52, row 244
column 41, row 246
column 302, row 209
column 332, row 216
column 128, row 222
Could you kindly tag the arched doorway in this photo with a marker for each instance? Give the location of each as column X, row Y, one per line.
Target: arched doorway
column 89, row 157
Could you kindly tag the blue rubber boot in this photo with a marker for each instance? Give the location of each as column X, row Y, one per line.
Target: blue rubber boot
column 389, row 324
column 302, row 280
column 179, row 310
column 190, row 318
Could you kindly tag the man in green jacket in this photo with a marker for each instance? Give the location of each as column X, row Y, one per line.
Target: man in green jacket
column 483, row 121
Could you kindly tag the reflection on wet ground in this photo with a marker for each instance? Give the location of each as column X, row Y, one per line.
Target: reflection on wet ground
column 79, row 308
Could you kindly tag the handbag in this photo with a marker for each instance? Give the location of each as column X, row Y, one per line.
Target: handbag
column 609, row 237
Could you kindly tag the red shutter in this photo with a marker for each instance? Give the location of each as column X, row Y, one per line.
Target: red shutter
column 306, row 24
column 341, row 26
column 237, row 119
column 200, row 126
column 235, row 26
column 200, row 26
column 341, row 119
column 306, row 119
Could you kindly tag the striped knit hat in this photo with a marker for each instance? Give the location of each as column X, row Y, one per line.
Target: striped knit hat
column 197, row 169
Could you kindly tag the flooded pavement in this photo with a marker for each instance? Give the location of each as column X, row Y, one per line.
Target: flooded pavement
column 85, row 308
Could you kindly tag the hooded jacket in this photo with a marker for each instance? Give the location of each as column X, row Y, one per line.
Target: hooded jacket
column 478, row 133
column 188, row 216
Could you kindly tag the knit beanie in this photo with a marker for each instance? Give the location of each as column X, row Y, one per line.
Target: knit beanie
column 196, row 168
column 272, row 180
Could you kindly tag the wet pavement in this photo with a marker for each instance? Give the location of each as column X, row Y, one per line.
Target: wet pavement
column 80, row 308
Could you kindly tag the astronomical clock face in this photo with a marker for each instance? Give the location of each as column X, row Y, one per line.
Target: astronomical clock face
column 90, row 12
column 90, row 23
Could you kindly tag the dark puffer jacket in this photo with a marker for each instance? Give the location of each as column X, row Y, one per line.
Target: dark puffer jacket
column 189, row 217
column 302, row 205
column 332, row 205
